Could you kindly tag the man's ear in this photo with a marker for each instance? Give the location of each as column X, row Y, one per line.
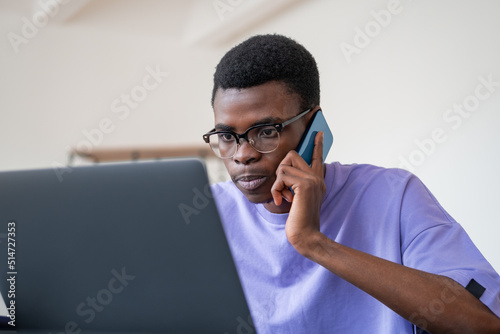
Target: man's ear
column 311, row 114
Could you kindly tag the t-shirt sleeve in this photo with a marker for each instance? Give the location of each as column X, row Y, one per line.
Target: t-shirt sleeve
column 432, row 241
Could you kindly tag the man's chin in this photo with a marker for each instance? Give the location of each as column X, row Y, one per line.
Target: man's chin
column 258, row 198
column 267, row 200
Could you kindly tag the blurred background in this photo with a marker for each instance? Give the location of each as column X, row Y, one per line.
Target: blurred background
column 410, row 84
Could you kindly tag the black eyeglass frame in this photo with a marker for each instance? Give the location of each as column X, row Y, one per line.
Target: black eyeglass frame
column 278, row 126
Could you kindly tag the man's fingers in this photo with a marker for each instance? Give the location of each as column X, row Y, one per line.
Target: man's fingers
column 294, row 169
column 317, row 158
column 295, row 160
column 279, row 191
column 277, row 197
column 287, row 194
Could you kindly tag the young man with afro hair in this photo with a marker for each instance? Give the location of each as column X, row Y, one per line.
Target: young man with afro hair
column 332, row 248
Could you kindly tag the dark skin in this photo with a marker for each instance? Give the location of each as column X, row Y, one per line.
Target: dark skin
column 266, row 178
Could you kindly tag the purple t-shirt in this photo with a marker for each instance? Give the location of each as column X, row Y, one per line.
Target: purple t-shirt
column 388, row 213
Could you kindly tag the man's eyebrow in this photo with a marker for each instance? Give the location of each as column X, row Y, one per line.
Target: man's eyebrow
column 223, row 127
column 267, row 120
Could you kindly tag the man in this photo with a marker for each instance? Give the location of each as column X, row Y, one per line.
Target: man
column 332, row 248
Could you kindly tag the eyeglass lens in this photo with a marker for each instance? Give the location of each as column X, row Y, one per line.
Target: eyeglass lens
column 264, row 139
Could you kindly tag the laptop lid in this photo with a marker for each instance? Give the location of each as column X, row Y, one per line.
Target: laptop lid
column 128, row 247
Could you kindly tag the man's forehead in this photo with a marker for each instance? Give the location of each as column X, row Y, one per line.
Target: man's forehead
column 232, row 98
column 270, row 100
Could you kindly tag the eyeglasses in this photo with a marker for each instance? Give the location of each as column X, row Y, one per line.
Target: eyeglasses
column 264, row 138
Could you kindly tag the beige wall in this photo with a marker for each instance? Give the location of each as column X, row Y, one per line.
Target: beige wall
column 390, row 97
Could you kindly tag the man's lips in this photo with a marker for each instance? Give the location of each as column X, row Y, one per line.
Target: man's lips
column 250, row 182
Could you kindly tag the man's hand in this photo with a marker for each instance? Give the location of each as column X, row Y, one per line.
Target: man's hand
column 308, row 186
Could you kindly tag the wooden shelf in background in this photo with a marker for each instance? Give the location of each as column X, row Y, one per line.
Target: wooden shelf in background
column 138, row 153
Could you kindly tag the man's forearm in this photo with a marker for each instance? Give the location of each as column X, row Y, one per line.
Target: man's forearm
column 432, row 302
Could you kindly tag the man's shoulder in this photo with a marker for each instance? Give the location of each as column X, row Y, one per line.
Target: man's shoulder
column 340, row 175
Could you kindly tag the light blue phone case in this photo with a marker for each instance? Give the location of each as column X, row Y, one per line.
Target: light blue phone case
column 306, row 145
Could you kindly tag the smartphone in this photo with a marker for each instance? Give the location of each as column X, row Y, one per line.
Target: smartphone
column 306, row 144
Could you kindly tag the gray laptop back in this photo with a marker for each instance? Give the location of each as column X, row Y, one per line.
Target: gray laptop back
column 135, row 247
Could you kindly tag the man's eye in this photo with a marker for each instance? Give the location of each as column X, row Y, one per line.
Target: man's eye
column 267, row 133
column 226, row 137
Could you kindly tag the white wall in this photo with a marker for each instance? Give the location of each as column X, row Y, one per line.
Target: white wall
column 394, row 92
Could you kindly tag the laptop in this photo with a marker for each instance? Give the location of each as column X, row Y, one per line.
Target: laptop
column 117, row 248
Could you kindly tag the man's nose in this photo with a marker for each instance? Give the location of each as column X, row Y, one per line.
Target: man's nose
column 246, row 153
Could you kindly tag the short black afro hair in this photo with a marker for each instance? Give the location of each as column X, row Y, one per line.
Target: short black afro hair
column 265, row 58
